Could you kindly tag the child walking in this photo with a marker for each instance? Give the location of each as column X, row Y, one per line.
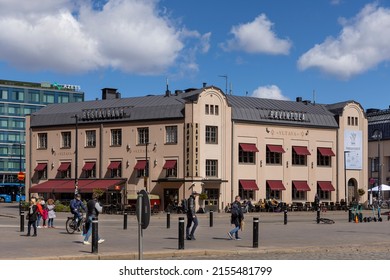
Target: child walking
column 51, row 213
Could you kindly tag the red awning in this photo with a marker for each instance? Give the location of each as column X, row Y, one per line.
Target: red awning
column 326, row 186
column 141, row 165
column 114, row 165
column 276, row 185
column 275, row 148
column 54, row 186
column 326, row 152
column 40, row 166
column 302, row 151
column 249, row 185
column 170, row 164
column 301, row 186
column 249, row 148
column 64, row 166
column 102, row 184
column 88, row 166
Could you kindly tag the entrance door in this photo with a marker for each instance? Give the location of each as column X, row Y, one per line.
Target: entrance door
column 171, row 198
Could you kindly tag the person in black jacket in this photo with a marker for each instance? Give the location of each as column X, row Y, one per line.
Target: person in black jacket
column 93, row 210
column 236, row 218
column 191, row 218
column 32, row 216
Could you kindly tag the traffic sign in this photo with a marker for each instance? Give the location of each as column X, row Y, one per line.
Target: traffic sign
column 21, row 176
column 143, row 208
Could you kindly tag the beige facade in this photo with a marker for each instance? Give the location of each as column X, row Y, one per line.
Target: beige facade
column 207, row 149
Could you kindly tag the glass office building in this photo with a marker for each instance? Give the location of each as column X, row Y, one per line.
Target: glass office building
column 18, row 99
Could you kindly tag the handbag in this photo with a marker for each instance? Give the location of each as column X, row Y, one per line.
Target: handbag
column 242, row 225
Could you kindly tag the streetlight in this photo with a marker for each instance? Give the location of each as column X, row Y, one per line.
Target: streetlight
column 146, row 172
column 377, row 135
column 345, row 178
column 76, row 153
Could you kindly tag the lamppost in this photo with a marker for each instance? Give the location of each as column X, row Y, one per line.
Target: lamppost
column 345, row 178
column 146, row 173
column 377, row 135
column 76, row 153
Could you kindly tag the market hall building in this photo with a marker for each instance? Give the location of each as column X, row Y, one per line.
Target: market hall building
column 198, row 140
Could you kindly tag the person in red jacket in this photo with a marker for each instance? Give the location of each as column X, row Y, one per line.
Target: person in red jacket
column 39, row 212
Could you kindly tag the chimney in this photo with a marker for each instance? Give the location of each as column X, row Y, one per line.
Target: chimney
column 110, row 93
column 299, row 99
column 204, row 85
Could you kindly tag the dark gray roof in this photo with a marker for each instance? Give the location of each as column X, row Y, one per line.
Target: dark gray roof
column 154, row 107
column 259, row 109
column 379, row 120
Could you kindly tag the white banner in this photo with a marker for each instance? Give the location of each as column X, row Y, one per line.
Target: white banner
column 353, row 149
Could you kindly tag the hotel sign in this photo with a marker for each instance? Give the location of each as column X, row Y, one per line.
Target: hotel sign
column 287, row 115
column 106, row 113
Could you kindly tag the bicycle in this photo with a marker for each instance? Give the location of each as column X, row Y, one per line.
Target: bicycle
column 71, row 224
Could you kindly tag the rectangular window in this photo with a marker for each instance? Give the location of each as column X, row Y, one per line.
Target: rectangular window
column 116, row 137
column 34, row 96
column 48, row 98
column 349, row 120
column 246, row 156
column 116, row 172
column 66, row 139
column 18, row 95
column 42, row 140
column 171, row 134
column 298, row 159
column 172, row 172
column 4, row 94
column 143, row 135
column 90, row 138
column 42, row 174
column 211, row 168
column 273, row 157
column 207, row 109
column 298, row 195
column 211, row 109
column 374, row 164
column 211, row 134
column 216, row 111
column 63, row 99
column 356, row 121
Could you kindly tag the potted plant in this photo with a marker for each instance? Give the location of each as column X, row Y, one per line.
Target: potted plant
column 361, row 192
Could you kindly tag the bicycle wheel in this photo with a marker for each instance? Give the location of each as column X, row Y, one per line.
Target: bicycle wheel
column 70, row 227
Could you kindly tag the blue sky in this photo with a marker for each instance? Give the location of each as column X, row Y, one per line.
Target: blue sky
column 323, row 50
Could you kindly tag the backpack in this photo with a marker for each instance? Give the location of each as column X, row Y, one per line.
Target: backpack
column 184, row 205
column 235, row 210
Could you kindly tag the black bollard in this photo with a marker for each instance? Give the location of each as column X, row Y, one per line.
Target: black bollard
column 95, row 235
column 255, row 232
column 124, row 220
column 168, row 219
column 181, row 233
column 21, row 221
column 285, row 216
column 349, row 215
column 318, row 214
column 211, row 218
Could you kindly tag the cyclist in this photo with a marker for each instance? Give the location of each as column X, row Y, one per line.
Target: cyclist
column 75, row 206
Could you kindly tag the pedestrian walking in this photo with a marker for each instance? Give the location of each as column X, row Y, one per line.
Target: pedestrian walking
column 51, row 213
column 93, row 210
column 236, row 218
column 192, row 220
column 45, row 213
column 32, row 217
column 40, row 211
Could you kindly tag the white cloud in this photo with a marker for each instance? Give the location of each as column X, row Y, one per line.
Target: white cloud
column 257, row 37
column 130, row 35
column 270, row 92
column 361, row 45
